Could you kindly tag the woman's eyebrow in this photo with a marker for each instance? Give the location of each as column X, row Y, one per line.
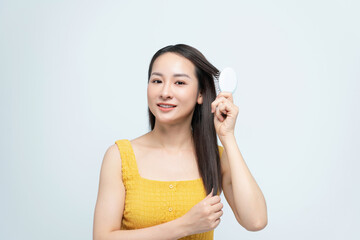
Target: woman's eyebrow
column 175, row 75
column 156, row 73
column 181, row 75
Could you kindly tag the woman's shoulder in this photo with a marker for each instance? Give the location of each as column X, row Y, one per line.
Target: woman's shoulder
column 111, row 164
column 112, row 153
column 137, row 140
column 127, row 144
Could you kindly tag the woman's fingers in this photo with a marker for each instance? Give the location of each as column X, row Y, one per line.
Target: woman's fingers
column 217, row 207
column 224, row 107
column 217, row 222
column 214, row 200
column 218, row 214
column 216, row 102
column 219, row 115
column 221, row 99
column 221, row 112
column 227, row 95
column 210, row 194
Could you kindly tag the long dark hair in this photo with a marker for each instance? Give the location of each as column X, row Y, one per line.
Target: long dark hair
column 202, row 122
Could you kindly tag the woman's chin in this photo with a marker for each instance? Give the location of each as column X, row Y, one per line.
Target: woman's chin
column 163, row 120
column 168, row 121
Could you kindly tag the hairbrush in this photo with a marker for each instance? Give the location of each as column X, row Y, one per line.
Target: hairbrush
column 226, row 81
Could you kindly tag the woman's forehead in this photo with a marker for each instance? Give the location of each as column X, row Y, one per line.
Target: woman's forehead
column 171, row 63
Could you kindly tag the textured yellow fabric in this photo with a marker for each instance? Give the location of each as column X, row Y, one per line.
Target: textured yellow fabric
column 151, row 202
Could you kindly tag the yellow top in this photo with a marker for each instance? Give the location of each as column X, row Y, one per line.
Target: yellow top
column 151, row 202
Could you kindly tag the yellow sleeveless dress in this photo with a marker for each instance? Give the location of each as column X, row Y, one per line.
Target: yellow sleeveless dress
column 151, row 202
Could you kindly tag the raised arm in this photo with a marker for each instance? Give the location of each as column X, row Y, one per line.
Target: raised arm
column 240, row 188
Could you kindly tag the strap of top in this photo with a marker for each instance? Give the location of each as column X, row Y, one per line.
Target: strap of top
column 128, row 164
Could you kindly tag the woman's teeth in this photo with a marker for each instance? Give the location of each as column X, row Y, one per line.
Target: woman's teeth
column 166, row 106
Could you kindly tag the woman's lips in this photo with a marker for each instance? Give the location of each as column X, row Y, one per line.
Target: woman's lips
column 166, row 109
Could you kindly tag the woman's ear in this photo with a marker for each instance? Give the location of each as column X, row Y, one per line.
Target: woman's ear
column 200, row 99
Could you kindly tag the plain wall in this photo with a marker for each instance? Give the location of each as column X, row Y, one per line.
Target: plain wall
column 73, row 79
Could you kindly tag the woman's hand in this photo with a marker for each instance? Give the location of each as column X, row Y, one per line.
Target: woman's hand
column 225, row 114
column 204, row 216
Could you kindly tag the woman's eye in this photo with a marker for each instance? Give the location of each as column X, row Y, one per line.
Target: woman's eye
column 155, row 81
column 181, row 83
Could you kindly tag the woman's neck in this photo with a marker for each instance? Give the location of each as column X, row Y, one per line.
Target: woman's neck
column 174, row 138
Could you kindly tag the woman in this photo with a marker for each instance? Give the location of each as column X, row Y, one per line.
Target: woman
column 168, row 190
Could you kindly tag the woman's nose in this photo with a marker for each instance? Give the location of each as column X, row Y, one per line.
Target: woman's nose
column 166, row 91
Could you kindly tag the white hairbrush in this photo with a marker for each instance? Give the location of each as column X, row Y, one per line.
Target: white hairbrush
column 226, row 82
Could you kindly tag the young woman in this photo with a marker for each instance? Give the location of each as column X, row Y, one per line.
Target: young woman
column 163, row 184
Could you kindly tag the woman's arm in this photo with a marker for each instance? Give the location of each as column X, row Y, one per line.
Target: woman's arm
column 110, row 207
column 174, row 229
column 240, row 188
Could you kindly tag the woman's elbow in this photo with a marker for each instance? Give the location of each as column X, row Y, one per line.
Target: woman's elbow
column 257, row 226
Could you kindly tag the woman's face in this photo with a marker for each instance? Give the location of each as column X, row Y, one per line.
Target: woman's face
column 173, row 81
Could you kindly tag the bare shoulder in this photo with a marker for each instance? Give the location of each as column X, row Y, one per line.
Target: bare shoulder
column 111, row 165
column 113, row 151
column 112, row 157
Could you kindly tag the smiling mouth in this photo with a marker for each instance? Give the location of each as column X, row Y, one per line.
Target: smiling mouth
column 166, row 106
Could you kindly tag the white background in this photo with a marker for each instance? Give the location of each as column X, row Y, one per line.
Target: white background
column 74, row 77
